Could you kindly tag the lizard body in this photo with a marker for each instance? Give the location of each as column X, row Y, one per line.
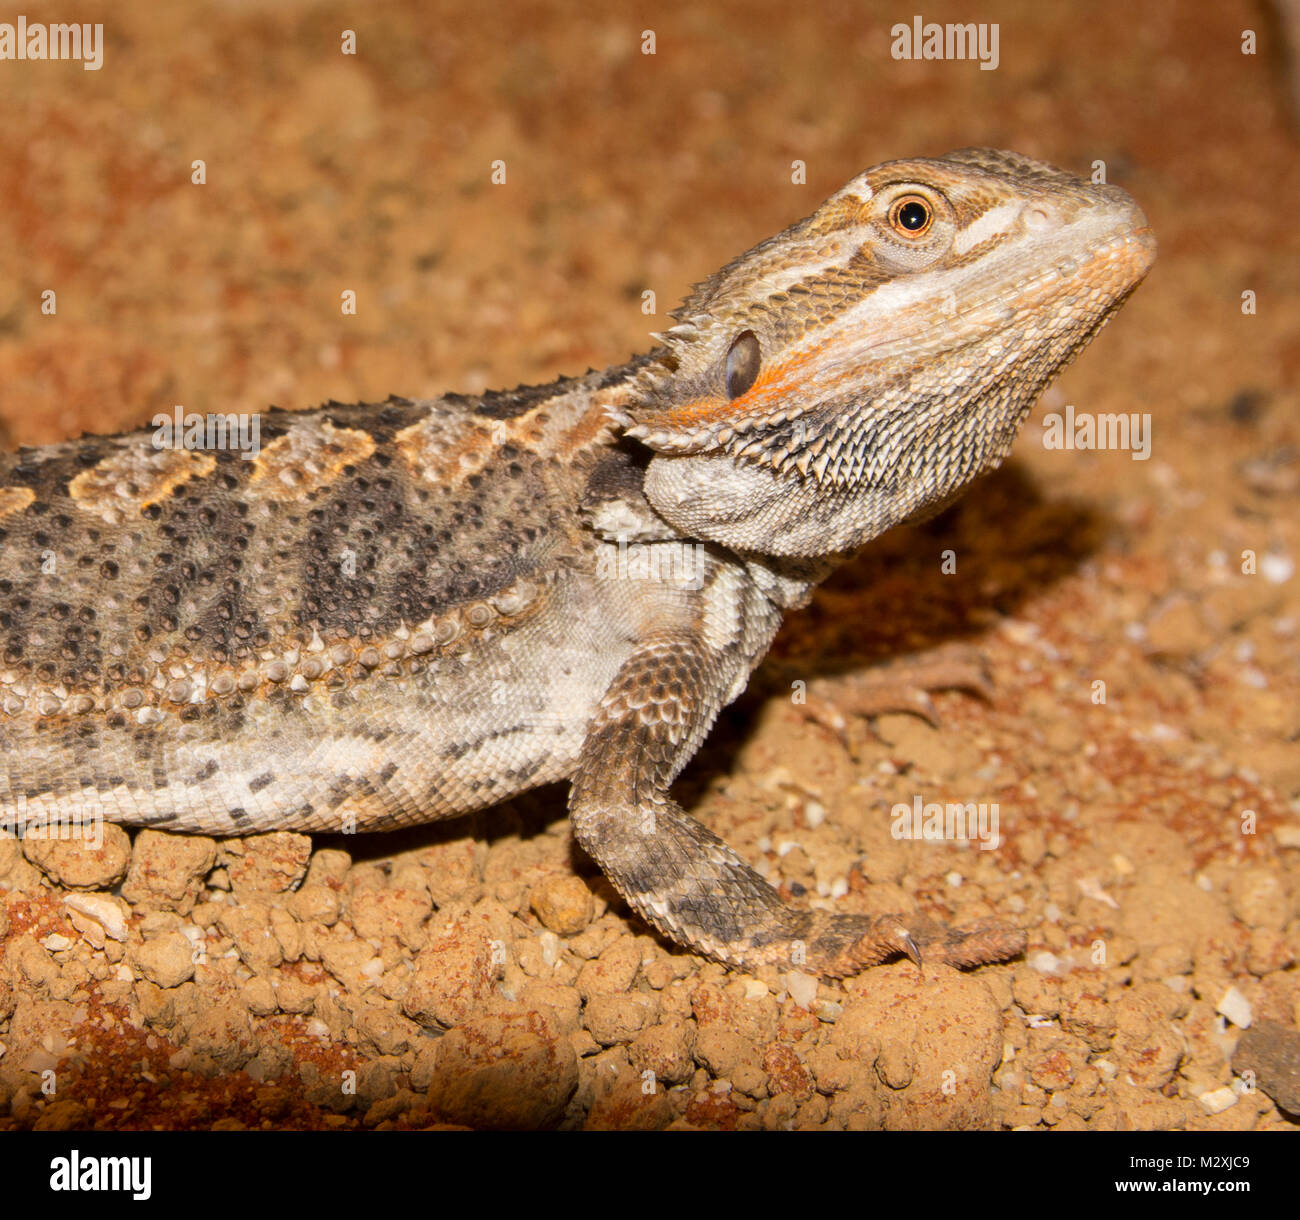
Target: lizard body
column 405, row 611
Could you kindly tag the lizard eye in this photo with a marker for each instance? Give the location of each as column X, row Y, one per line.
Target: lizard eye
column 911, row 216
column 743, row 361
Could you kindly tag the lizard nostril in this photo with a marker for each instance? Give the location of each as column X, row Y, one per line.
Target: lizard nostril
column 1038, row 218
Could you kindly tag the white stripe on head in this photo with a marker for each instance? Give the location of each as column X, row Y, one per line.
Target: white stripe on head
column 992, row 223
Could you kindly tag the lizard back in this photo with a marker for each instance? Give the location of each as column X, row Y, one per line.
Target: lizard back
column 187, row 636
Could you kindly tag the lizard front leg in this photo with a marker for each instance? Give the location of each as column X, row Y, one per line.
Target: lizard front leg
column 683, row 879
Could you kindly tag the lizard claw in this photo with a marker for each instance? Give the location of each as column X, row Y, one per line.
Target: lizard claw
column 987, row 940
column 909, row 947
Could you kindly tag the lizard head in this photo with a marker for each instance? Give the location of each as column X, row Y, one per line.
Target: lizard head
column 861, row 368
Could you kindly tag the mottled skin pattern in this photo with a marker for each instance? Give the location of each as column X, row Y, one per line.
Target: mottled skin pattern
column 409, row 610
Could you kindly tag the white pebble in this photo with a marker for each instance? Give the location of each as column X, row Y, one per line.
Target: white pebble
column 802, row 988
column 551, row 947
column 1044, row 962
column 1090, row 887
column 103, row 910
column 1236, row 1008
column 1218, row 1100
column 1276, row 569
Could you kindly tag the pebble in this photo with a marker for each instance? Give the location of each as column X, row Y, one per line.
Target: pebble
column 1218, row 1100
column 1236, row 1008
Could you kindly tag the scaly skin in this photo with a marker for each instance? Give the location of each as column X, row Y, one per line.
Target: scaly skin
column 409, row 610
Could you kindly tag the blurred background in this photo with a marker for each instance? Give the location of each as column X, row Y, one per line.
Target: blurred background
column 624, row 172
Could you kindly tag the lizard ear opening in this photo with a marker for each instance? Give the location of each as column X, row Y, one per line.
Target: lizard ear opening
column 743, row 363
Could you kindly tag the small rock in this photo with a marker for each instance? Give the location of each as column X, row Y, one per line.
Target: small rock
column 167, row 871
column 613, row 972
column 453, row 975
column 103, row 911
column 259, row 995
column 63, row 1116
column 293, row 995
column 399, row 912
column 802, row 988
column 1272, row 1051
column 315, row 903
column 1044, row 962
column 619, row 1018
column 666, row 1050
column 564, row 904
column 1218, row 1100
column 167, row 960
column 82, row 863
column 271, row 863
column 225, row 1035
column 1236, row 1008
column 509, row 1068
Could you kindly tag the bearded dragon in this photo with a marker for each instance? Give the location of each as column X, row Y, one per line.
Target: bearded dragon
column 408, row 610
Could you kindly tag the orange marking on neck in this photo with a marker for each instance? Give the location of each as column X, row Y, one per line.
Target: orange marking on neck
column 769, row 394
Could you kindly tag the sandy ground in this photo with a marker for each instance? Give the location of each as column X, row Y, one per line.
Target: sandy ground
column 1137, row 619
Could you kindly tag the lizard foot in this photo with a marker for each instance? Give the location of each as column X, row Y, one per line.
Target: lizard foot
column 847, row 944
column 896, row 686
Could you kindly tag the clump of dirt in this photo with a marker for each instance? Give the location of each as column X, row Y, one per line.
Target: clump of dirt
column 259, row 983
